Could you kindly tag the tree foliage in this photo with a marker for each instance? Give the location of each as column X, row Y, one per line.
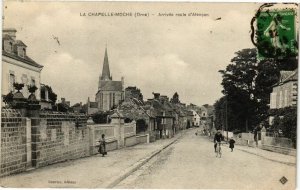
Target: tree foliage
column 239, row 87
column 285, row 119
column 51, row 94
column 101, row 117
column 175, row 98
column 247, row 84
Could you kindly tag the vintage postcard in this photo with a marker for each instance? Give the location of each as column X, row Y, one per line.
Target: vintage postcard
column 149, row 95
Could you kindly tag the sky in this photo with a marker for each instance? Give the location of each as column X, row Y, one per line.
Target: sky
column 162, row 54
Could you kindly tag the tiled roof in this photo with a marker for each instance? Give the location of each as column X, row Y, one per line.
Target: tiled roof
column 19, row 43
column 111, row 85
column 26, row 59
column 284, row 75
column 131, row 110
column 7, row 37
column 292, row 76
column 14, row 54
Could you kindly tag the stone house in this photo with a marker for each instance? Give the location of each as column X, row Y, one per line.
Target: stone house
column 196, row 118
column 206, row 116
column 17, row 66
column 284, row 93
column 92, row 107
column 165, row 115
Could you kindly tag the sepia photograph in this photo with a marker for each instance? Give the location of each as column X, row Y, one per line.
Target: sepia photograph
column 149, row 95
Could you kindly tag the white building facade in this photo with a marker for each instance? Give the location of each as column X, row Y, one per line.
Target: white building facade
column 17, row 67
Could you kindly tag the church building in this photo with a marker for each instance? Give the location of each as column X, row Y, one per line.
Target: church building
column 110, row 93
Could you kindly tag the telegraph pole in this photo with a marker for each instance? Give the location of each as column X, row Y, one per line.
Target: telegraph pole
column 226, row 118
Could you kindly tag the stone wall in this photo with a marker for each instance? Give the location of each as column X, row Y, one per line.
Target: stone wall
column 52, row 137
column 130, row 141
column 277, row 141
column 57, row 138
column 143, row 139
column 13, row 143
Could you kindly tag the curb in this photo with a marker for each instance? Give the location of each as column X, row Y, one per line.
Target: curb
column 281, row 162
column 139, row 164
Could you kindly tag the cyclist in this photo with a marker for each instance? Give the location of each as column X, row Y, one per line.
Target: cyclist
column 218, row 138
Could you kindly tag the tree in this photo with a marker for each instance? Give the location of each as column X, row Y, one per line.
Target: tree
column 239, row 87
column 289, row 125
column 52, row 96
column 175, row 98
column 285, row 119
column 247, row 84
column 101, row 117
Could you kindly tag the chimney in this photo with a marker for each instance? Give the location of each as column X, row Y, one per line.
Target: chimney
column 11, row 32
column 63, row 100
column 156, row 95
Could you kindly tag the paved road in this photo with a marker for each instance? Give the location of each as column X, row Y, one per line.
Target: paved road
column 191, row 163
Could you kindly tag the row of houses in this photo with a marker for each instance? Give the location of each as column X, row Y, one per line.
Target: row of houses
column 160, row 116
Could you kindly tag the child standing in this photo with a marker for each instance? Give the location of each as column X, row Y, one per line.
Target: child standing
column 231, row 144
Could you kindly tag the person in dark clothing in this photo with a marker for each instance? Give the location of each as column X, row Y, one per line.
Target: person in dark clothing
column 217, row 139
column 231, row 144
column 102, row 146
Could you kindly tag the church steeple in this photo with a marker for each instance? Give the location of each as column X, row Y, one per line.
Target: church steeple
column 105, row 70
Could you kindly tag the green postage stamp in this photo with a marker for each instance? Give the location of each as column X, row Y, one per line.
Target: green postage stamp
column 276, row 34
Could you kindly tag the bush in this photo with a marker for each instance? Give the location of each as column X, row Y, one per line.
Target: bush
column 285, row 119
column 101, row 117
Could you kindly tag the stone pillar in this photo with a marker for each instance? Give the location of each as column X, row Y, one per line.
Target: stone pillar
column 263, row 134
column 28, row 143
column 117, row 120
column 92, row 140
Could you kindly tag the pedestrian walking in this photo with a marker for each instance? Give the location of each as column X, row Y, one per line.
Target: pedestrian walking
column 102, row 146
column 231, row 144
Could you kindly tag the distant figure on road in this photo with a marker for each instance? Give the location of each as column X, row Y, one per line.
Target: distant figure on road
column 102, row 146
column 231, row 144
column 218, row 138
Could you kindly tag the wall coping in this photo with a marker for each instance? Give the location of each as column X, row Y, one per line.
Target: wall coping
column 280, row 147
column 130, row 135
column 145, row 135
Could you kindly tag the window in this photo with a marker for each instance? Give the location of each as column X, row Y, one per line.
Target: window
column 24, row 52
column 113, row 99
column 285, row 98
column 11, row 81
column 280, row 100
column 11, row 46
column 24, row 79
column 273, row 100
column 32, row 82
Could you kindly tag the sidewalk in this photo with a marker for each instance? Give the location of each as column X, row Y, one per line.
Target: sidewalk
column 273, row 156
column 90, row 172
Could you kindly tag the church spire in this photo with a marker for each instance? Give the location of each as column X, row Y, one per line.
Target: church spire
column 105, row 70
